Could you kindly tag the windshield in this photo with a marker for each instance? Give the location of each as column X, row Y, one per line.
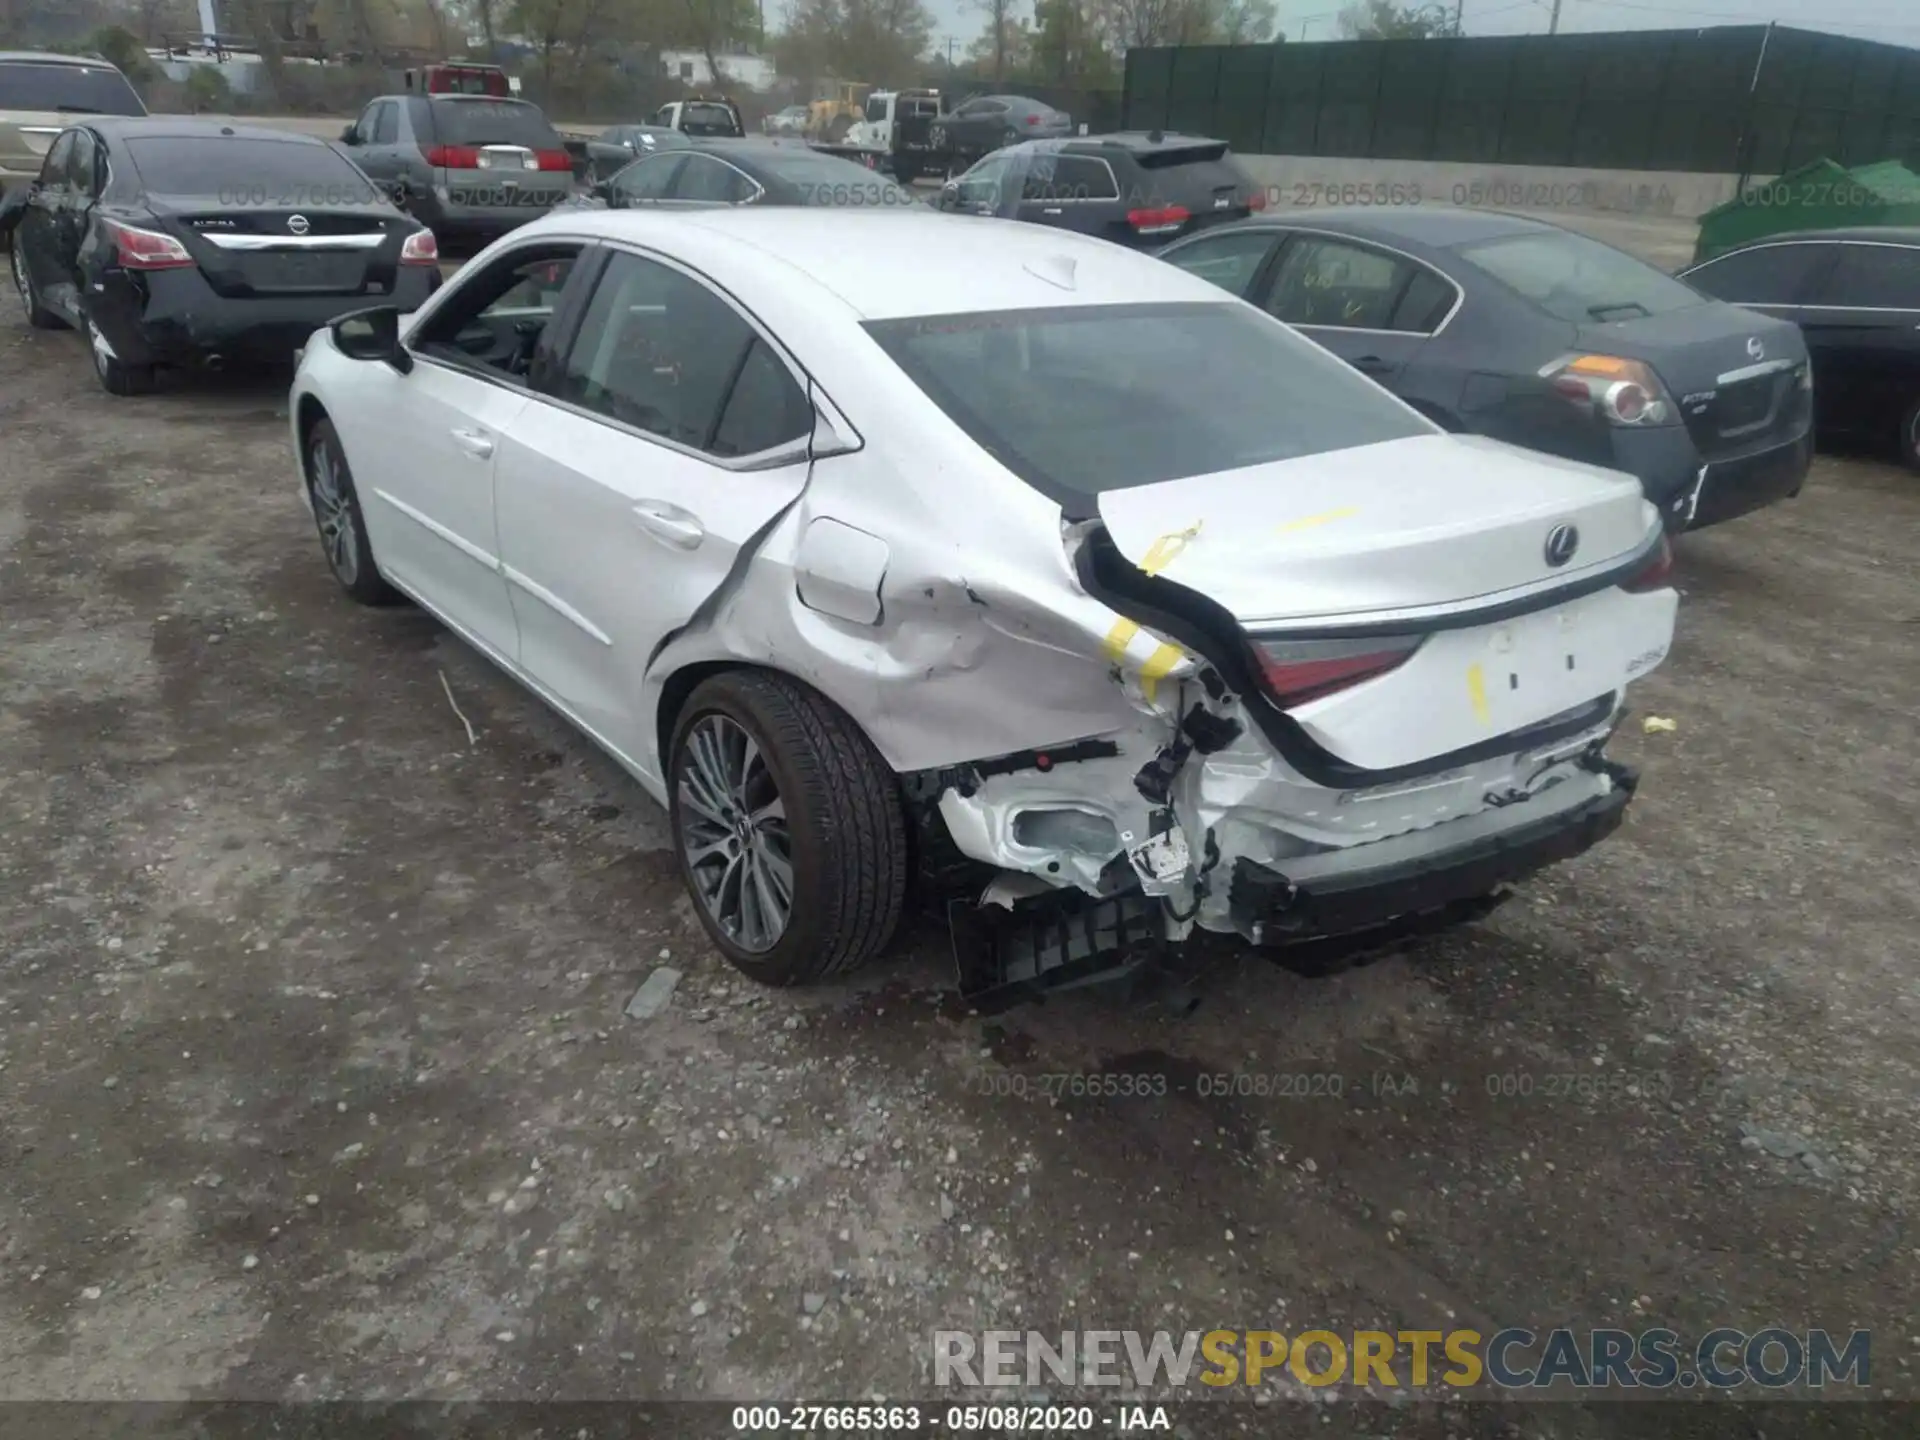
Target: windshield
column 1574, row 278
column 77, row 89
column 699, row 119
column 493, row 122
column 1082, row 399
column 249, row 172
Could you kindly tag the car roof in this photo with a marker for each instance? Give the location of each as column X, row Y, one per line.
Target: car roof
column 1885, row 234
column 890, row 263
column 182, row 127
column 43, row 57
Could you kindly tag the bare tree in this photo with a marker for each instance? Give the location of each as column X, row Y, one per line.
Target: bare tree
column 999, row 17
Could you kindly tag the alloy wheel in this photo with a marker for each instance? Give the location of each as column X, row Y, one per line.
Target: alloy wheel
column 333, row 514
column 733, row 834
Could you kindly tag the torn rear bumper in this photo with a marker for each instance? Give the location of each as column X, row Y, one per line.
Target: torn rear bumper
column 1267, row 906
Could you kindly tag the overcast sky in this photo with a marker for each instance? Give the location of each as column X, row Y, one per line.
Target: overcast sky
column 1895, row 21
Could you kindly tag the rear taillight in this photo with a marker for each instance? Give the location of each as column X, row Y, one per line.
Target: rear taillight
column 1656, row 574
column 1623, row 392
column 452, row 157
column 139, row 249
column 1297, row 671
column 420, row 249
column 1256, row 200
column 554, row 160
column 1033, row 119
column 1161, row 220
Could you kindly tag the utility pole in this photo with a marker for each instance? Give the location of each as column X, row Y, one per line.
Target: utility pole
column 1459, row 10
column 1553, row 23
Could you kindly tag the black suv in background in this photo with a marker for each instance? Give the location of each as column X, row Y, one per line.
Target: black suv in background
column 1138, row 188
column 469, row 167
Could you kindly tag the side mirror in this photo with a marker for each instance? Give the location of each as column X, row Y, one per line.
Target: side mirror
column 372, row 335
column 350, row 135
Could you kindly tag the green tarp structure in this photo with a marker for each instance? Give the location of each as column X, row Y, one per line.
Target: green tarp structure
column 1820, row 196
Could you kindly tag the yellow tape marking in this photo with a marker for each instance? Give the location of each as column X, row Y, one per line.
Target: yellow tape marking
column 1158, row 665
column 1477, row 692
column 1324, row 518
column 1161, row 553
column 1119, row 638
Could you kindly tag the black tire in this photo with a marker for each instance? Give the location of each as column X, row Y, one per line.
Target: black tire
column 38, row 316
column 337, row 517
column 116, row 376
column 845, row 843
column 1910, row 437
column 1010, row 137
column 905, row 172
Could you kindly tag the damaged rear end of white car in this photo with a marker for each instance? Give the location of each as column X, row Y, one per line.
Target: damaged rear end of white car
column 1361, row 673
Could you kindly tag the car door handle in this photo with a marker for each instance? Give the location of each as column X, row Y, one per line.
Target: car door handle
column 1372, row 363
column 669, row 523
column 476, row 444
column 1051, row 210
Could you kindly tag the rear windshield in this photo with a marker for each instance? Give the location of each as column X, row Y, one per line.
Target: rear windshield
column 249, row 172
column 1574, row 278
column 1078, row 400
column 829, row 180
column 76, row 89
column 708, row 120
column 1187, row 174
column 493, row 122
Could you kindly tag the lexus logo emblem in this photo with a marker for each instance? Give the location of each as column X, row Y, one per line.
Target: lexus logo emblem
column 1755, row 348
column 1562, row 541
column 298, row 224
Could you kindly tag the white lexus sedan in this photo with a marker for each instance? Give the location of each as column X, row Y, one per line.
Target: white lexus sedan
column 1005, row 562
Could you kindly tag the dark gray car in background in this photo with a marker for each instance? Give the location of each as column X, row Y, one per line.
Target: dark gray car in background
column 987, row 122
column 1141, row 189
column 1520, row 330
column 470, row 167
column 618, row 146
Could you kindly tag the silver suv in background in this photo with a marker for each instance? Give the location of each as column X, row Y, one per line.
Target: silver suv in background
column 40, row 94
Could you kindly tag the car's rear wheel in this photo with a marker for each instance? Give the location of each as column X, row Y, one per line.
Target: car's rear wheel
column 38, row 315
column 337, row 515
column 788, row 826
column 116, row 376
column 1910, row 436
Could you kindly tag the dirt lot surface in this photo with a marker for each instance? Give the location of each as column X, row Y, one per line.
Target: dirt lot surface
column 316, row 1080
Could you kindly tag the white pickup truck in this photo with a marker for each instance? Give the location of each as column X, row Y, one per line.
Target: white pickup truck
column 895, row 134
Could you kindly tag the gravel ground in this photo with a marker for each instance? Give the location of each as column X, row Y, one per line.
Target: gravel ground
column 317, row 1082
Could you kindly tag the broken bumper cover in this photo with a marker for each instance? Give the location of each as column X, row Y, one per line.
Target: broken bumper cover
column 1268, row 907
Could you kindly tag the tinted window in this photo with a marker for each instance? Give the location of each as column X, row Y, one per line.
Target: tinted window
column 766, row 407
column 1768, row 275
column 493, row 122
column 1229, row 261
column 1423, row 304
column 703, row 119
column 261, row 172
column 1577, row 279
column 77, row 89
column 1330, row 282
column 1878, row 276
column 876, row 110
column 1084, row 178
column 498, row 318
column 80, row 165
column 981, row 185
column 657, row 351
column 56, row 169
column 1081, row 399
column 386, row 124
column 649, row 179
column 707, row 179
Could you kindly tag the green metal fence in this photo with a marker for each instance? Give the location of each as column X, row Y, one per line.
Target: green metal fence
column 1750, row 99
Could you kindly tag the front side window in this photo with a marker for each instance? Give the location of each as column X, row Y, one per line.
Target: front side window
column 497, row 320
column 1229, row 261
column 386, row 123
column 981, row 185
column 1077, row 400
column 660, row 352
column 57, row 169
column 1577, row 279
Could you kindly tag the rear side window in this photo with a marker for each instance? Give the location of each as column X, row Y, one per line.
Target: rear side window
column 249, row 172
column 1330, row 282
column 493, row 122
column 1766, row 275
column 1577, row 279
column 75, row 89
column 1068, row 177
column 1881, row 277
column 1423, row 304
column 1077, row 400
column 1229, row 261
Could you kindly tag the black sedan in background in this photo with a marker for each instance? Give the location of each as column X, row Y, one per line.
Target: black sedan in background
column 1136, row 188
column 618, row 146
column 193, row 243
column 751, row 170
column 1516, row 329
column 1855, row 294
